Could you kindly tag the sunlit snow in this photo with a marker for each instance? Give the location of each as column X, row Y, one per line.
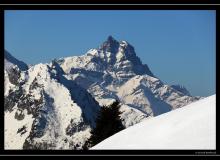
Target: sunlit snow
column 190, row 127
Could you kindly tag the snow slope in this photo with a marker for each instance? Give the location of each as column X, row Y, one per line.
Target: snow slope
column 190, row 127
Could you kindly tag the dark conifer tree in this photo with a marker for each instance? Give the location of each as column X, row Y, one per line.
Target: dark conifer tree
column 107, row 123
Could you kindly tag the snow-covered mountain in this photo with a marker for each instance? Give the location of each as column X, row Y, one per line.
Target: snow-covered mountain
column 190, row 127
column 114, row 71
column 45, row 110
column 54, row 105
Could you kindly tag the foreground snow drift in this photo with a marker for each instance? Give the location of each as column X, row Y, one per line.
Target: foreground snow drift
column 190, row 127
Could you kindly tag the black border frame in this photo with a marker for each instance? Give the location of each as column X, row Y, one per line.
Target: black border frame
column 109, row 2
column 108, row 7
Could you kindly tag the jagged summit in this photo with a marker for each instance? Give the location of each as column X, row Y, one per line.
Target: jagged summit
column 110, row 38
column 117, row 58
column 110, row 45
column 114, row 46
column 122, row 53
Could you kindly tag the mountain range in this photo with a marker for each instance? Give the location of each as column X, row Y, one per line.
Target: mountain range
column 54, row 105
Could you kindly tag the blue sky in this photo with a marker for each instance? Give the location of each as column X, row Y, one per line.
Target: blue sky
column 178, row 46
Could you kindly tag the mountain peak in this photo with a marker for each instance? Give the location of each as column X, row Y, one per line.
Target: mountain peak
column 116, row 51
column 110, row 38
column 110, row 45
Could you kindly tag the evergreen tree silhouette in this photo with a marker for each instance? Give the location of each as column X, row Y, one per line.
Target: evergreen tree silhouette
column 107, row 123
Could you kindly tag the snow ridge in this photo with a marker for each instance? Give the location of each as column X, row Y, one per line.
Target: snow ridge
column 190, row 127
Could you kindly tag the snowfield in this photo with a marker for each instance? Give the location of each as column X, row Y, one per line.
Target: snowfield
column 13, row 139
column 190, row 127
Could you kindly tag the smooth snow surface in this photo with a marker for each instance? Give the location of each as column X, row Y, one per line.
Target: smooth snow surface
column 190, row 127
